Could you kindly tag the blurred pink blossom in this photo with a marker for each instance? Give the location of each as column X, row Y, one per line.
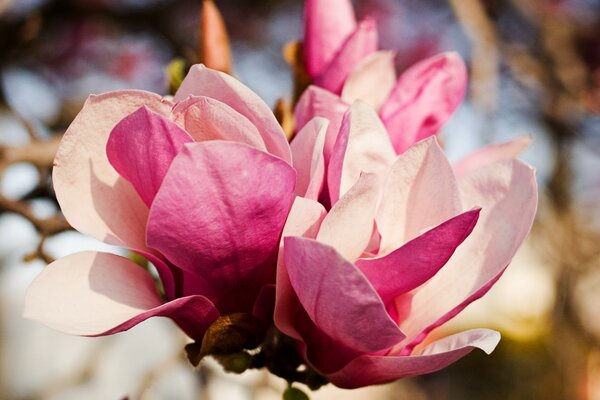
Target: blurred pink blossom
column 200, row 185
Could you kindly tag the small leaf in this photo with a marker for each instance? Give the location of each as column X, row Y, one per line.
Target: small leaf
column 292, row 393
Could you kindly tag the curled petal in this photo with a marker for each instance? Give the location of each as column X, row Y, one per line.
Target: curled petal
column 327, row 25
column 202, row 81
column 362, row 43
column 424, row 98
column 205, row 118
column 141, row 148
column 308, row 159
column 372, row 370
column 96, row 294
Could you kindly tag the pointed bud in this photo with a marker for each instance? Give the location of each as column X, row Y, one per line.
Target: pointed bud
column 213, row 41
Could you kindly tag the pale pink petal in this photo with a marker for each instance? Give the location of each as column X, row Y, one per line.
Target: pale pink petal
column 418, row 260
column 327, row 24
column 304, row 219
column 219, row 214
column 362, row 43
column 424, row 98
column 205, row 118
column 362, row 146
column 420, row 192
column 95, row 294
column 202, row 81
column 337, row 297
column 507, row 194
column 372, row 80
column 308, row 159
column 93, row 197
column 317, row 102
column 490, row 154
column 141, row 148
column 348, row 226
column 372, row 370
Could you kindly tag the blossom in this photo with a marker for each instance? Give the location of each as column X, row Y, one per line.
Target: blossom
column 408, row 243
column 342, row 60
column 200, row 186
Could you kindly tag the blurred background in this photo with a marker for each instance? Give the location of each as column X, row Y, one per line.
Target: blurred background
column 535, row 70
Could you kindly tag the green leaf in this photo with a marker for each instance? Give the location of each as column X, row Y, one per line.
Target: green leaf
column 292, row 393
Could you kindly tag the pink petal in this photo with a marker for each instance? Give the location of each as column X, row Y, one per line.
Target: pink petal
column 362, row 43
column 205, row 118
column 337, row 296
column 372, row 370
column 308, row 159
column 348, row 226
column 93, row 197
column 304, row 219
column 362, row 145
column 424, row 98
column 327, row 24
column 420, row 192
column 507, row 194
column 141, row 148
column 202, row 81
column 96, row 294
column 418, row 260
column 317, row 102
column 372, row 80
column 490, row 154
column 219, row 214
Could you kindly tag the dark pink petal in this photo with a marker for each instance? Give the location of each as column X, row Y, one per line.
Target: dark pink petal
column 362, row 146
column 348, row 227
column 327, row 24
column 202, row 81
column 425, row 97
column 141, row 148
column 317, row 102
column 337, row 297
column 308, row 159
column 418, row 260
column 419, row 192
column 372, row 370
column 362, row 43
column 372, row 80
column 219, row 214
column 96, row 294
column 490, row 154
column 507, row 194
column 209, row 119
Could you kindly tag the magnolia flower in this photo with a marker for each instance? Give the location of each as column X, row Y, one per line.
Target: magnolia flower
column 342, row 60
column 408, row 243
column 200, row 186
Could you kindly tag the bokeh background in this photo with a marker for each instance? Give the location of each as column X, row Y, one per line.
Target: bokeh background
column 535, row 70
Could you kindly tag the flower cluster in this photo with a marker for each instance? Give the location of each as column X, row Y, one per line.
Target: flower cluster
column 355, row 240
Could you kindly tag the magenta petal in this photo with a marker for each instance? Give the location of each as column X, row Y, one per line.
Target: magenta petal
column 424, row 98
column 308, row 159
column 362, row 43
column 418, row 260
column 95, row 294
column 209, row 119
column 490, row 154
column 202, row 81
column 337, row 296
column 141, row 148
column 327, row 25
column 362, row 146
column 219, row 214
column 372, row 370
column 317, row 102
